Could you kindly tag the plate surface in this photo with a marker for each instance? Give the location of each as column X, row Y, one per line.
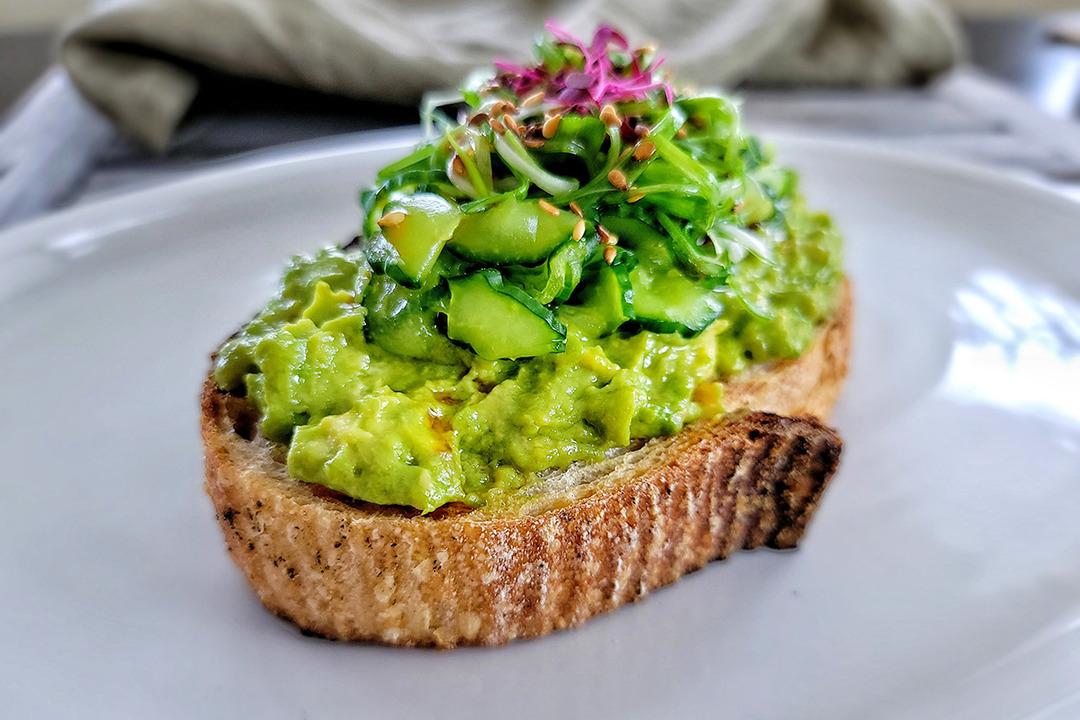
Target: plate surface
column 941, row 577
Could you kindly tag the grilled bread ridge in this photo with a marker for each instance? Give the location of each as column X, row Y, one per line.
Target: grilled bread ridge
column 584, row 541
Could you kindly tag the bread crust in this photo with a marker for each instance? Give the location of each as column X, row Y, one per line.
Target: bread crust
column 584, row 541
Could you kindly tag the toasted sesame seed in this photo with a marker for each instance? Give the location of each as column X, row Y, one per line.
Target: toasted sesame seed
column 533, row 100
column 617, row 179
column 513, row 124
column 501, row 107
column 533, row 142
column 458, row 166
column 391, row 219
column 579, row 229
column 497, row 126
column 642, row 130
column 478, row 119
column 606, row 236
column 549, row 208
column 551, row 126
column 609, row 254
column 644, row 150
column 681, row 133
column 576, row 209
column 635, row 197
column 609, row 115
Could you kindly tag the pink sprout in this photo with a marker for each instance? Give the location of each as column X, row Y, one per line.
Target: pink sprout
column 598, row 82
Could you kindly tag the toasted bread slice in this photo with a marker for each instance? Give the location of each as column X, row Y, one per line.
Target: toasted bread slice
column 581, row 542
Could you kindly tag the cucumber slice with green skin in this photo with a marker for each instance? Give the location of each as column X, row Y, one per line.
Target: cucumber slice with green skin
column 664, row 299
column 606, row 302
column 402, row 321
column 556, row 279
column 429, row 221
column 374, row 202
column 512, row 232
column 499, row 320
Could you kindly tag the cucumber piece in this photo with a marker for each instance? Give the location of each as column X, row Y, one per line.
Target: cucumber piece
column 511, row 232
column 499, row 320
column 607, row 300
column 557, row 278
column 756, row 206
column 685, row 202
column 429, row 221
column 664, row 299
column 402, row 321
column 580, row 136
column 700, row 258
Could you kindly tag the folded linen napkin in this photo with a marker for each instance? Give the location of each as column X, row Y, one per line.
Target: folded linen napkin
column 140, row 61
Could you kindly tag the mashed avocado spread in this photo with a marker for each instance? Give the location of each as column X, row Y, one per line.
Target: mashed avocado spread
column 577, row 264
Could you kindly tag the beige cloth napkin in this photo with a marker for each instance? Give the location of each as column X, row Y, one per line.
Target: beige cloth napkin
column 139, row 61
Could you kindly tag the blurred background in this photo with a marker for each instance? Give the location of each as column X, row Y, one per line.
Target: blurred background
column 97, row 99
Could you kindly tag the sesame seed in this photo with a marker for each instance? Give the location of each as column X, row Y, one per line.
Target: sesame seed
column 606, row 236
column 644, row 150
column 610, row 116
column 497, row 126
column 551, row 126
column 642, row 130
column 549, row 208
column 533, row 100
column 533, row 142
column 513, row 124
column 635, row 197
column 609, row 254
column 391, row 219
column 479, row 118
column 681, row 133
column 579, row 229
column 458, row 165
column 576, row 209
column 617, row 179
column 501, row 107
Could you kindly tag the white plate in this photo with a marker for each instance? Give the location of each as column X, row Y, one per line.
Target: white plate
column 941, row 577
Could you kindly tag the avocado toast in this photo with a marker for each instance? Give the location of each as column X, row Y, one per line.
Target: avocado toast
column 540, row 383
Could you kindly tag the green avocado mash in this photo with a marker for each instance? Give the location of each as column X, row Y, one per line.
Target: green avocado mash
column 515, row 308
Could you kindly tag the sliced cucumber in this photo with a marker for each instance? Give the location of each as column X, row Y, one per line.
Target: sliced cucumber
column 756, row 206
column 514, row 231
column 606, row 302
column 499, row 320
column 664, row 299
column 402, row 321
column 556, row 279
column 425, row 223
column 682, row 199
column 701, row 259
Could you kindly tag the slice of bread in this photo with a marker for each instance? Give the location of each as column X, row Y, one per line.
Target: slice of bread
column 581, row 542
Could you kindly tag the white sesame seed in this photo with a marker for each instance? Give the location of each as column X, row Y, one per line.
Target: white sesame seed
column 391, row 219
column 551, row 126
column 533, row 100
column 549, row 208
